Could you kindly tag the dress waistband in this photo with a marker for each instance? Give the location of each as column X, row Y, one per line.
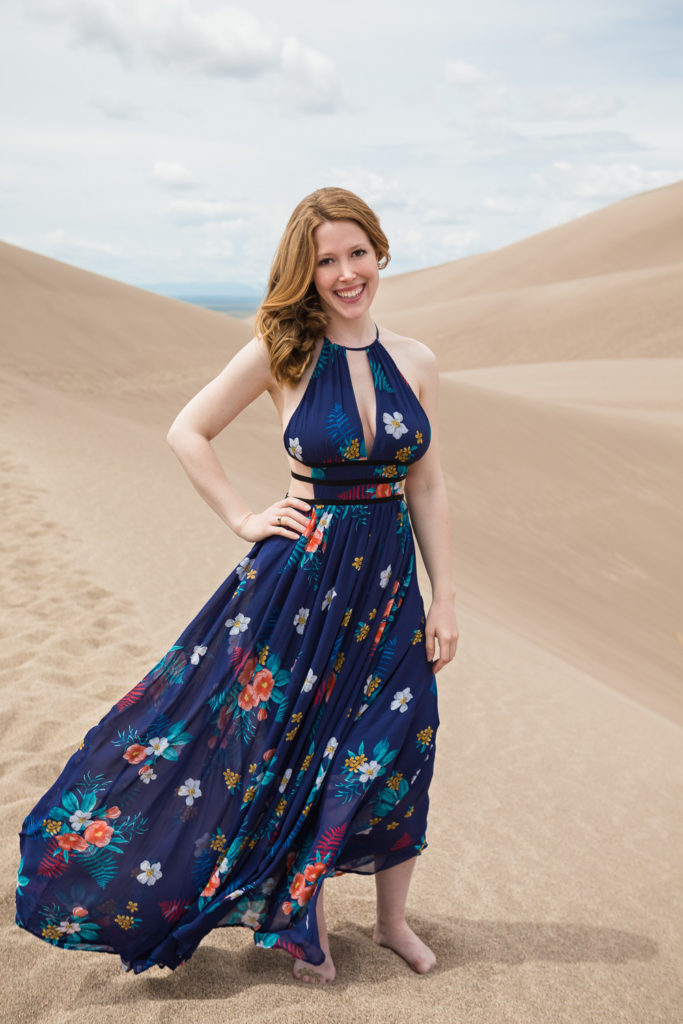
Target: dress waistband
column 355, row 490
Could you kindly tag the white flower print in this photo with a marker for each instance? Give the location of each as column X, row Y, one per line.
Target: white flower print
column 243, row 567
column 190, row 790
column 385, row 576
column 309, row 681
column 285, row 779
column 239, row 624
column 322, row 772
column 361, row 709
column 250, row 917
column 79, row 819
column 369, row 770
column 329, row 597
column 150, row 873
column 325, row 520
column 156, row 746
column 394, row 425
column 331, row 747
column 401, row 698
column 147, row 773
column 69, row 927
column 295, row 448
column 197, row 653
column 300, row 619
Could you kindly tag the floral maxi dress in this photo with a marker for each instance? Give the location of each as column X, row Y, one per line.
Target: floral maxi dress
column 287, row 735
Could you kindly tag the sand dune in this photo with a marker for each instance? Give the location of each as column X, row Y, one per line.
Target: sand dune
column 551, row 886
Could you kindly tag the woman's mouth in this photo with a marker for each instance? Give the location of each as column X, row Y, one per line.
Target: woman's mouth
column 350, row 294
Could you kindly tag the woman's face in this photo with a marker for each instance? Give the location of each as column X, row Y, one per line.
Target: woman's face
column 346, row 274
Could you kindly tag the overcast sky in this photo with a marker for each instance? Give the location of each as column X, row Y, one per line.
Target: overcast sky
column 168, row 140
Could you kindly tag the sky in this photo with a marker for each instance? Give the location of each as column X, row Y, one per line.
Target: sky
column 167, row 141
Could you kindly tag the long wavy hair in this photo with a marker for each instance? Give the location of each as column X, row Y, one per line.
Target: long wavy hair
column 291, row 318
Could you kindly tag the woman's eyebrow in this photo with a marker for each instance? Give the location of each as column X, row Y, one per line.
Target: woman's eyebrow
column 358, row 245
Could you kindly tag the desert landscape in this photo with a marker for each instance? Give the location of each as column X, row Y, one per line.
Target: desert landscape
column 552, row 886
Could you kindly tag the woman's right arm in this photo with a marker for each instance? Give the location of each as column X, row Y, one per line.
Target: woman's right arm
column 245, row 377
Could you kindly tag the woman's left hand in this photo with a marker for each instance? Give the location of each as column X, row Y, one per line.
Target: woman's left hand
column 441, row 625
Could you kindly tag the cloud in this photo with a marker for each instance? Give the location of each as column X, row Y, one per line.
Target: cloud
column 459, row 72
column 374, row 188
column 601, row 181
column 223, row 42
column 201, row 211
column 59, row 241
column 172, row 175
column 116, row 107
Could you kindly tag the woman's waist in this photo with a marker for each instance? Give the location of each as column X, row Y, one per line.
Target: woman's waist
column 350, row 483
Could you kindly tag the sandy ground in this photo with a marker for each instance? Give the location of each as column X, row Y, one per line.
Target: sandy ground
column 551, row 886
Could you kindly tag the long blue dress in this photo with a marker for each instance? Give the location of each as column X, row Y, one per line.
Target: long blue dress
column 287, row 735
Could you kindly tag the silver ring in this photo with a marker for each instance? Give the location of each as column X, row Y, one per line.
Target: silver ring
column 278, row 521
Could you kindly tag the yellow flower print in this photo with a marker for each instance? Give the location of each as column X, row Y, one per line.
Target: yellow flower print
column 124, row 921
column 371, row 685
column 249, row 794
column 51, row 931
column 292, row 733
column 81, row 744
column 218, row 843
column 132, row 906
column 392, row 825
column 375, row 821
column 306, row 762
column 409, row 811
column 403, row 454
column 417, row 636
column 52, row 826
column 297, row 716
column 280, row 809
column 252, row 768
column 389, row 471
column 395, row 780
column 352, row 451
column 353, row 763
column 253, row 842
column 263, row 655
column 425, row 735
column 357, row 562
column 362, row 631
column 347, row 616
column 232, row 779
column 418, row 436
column 338, row 661
column 372, row 614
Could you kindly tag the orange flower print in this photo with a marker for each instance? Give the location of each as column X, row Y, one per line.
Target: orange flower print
column 384, row 490
column 311, row 524
column 263, row 684
column 211, row 886
column 79, row 912
column 247, row 698
column 98, row 833
column 262, row 714
column 287, row 907
column 312, row 872
column 247, row 671
column 72, row 841
column 135, row 753
column 113, row 812
column 268, row 754
column 300, row 890
column 314, row 541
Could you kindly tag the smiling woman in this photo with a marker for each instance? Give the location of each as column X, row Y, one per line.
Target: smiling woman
column 288, row 736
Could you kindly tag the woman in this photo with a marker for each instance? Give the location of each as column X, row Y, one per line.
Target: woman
column 289, row 733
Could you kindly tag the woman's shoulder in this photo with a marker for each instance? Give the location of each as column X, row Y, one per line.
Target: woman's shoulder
column 412, row 352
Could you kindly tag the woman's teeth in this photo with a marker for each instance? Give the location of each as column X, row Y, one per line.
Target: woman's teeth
column 353, row 294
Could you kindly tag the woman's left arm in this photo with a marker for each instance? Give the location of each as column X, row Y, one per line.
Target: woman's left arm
column 428, row 506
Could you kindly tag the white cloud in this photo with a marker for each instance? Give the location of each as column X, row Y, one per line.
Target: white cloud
column 374, row 188
column 171, row 174
column 603, row 182
column 225, row 41
column 116, row 107
column 199, row 211
column 60, row 242
column 459, row 72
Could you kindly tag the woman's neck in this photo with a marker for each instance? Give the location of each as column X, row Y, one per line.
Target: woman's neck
column 351, row 332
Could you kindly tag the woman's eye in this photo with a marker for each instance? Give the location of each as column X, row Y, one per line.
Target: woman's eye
column 361, row 252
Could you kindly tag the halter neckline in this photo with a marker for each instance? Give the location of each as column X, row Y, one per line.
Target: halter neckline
column 355, row 348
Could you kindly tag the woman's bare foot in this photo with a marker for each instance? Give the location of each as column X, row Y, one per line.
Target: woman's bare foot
column 315, row 973
column 326, row 971
column 403, row 940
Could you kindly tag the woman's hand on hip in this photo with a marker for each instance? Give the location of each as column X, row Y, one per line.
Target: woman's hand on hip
column 284, row 518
